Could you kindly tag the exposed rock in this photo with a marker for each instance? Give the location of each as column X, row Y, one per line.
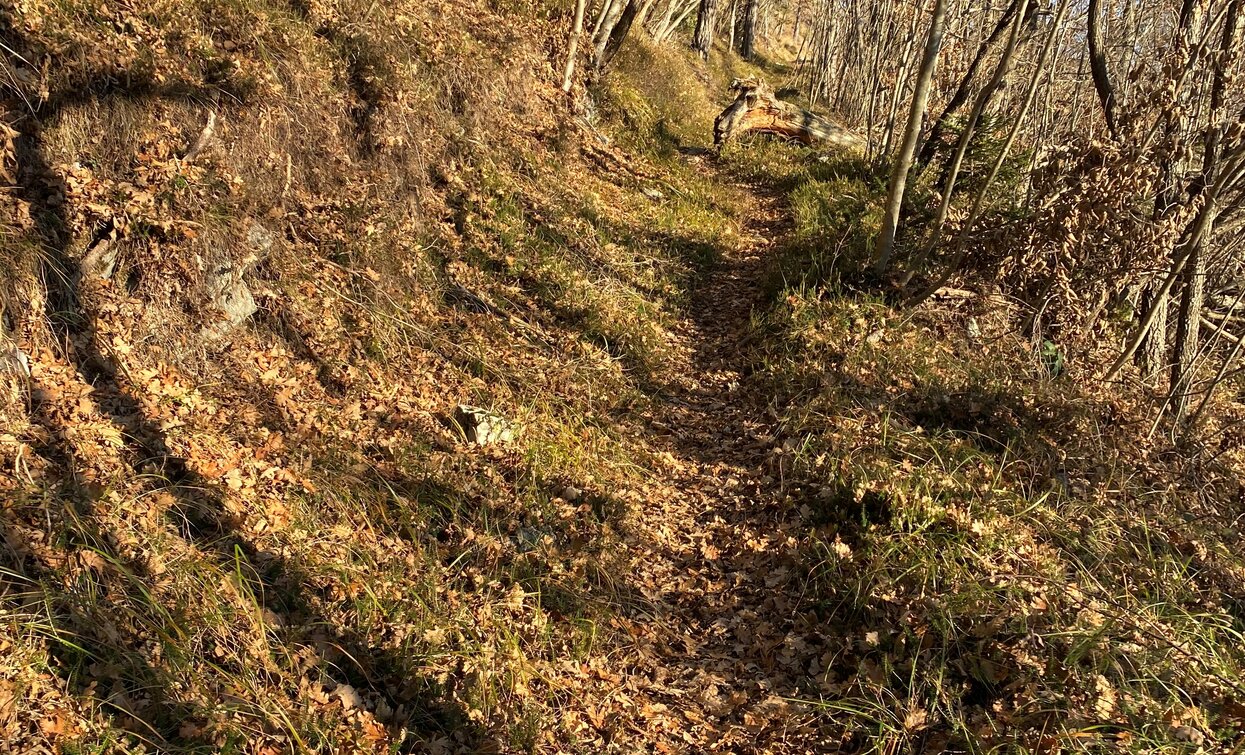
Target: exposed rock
column 974, row 331
column 230, row 296
column 528, row 539
column 100, row 261
column 226, row 287
column 13, row 361
column 259, row 238
column 482, row 427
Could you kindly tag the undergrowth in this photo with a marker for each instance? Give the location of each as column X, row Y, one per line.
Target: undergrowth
column 1019, row 566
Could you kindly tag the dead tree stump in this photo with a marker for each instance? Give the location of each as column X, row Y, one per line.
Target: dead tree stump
column 756, row 109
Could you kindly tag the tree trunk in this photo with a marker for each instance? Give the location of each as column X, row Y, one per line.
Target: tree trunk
column 966, row 136
column 903, row 160
column 702, row 40
column 1191, row 240
column 756, row 109
column 974, row 213
column 607, row 8
column 747, row 36
column 618, row 34
column 1188, row 328
column 576, row 29
column 646, row 12
column 965, row 87
column 1098, row 68
column 1153, row 351
column 1188, row 331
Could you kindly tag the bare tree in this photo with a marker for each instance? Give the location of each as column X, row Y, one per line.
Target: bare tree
column 577, row 28
column 702, row 40
column 965, row 88
column 1098, row 67
column 903, row 161
column 747, row 34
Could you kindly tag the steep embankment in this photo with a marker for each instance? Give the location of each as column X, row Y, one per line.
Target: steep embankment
column 254, row 254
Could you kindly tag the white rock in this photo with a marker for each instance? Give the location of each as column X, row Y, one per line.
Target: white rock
column 349, row 696
column 13, row 361
column 482, row 427
column 259, row 238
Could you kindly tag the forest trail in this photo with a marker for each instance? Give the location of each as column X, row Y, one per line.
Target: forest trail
column 723, row 639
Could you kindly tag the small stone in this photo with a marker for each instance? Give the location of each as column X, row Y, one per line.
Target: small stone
column 482, row 427
column 974, row 331
column 527, row 539
column 1188, row 734
column 13, row 361
column 100, row 260
column 230, row 296
column 259, row 238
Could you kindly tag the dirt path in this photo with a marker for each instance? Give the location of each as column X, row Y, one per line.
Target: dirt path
column 716, row 663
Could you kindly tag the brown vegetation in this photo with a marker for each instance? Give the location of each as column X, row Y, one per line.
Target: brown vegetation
column 371, row 381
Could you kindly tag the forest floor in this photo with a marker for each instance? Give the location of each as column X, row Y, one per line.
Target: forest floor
column 750, row 505
column 722, row 634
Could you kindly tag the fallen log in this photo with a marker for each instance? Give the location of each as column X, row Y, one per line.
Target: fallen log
column 756, row 109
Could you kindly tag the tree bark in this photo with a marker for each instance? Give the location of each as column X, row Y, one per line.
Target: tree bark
column 577, row 29
column 903, row 161
column 1193, row 294
column 756, row 109
column 1098, row 69
column 1153, row 350
column 618, row 34
column 702, row 39
column 747, row 36
column 1188, row 332
column 607, row 8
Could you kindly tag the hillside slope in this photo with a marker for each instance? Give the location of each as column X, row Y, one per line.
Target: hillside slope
column 256, row 255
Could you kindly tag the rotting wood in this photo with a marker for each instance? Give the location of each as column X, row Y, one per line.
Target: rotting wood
column 756, row 109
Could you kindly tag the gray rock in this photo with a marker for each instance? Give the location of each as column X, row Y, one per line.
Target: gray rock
column 100, row 260
column 974, row 331
column 482, row 427
column 259, row 238
column 226, row 287
column 527, row 539
column 230, row 296
column 13, row 361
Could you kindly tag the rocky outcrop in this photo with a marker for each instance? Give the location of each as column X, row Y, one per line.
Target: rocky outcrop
column 227, row 289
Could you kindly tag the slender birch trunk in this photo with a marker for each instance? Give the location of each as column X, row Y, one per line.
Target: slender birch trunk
column 903, row 161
